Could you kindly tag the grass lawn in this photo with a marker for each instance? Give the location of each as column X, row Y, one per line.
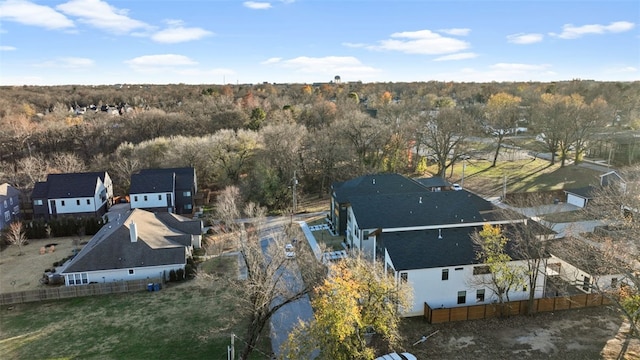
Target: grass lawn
column 521, row 176
column 190, row 320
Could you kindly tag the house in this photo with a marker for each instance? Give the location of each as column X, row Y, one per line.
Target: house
column 138, row 245
column 9, row 205
column 434, row 183
column 424, row 238
column 341, row 192
column 164, row 190
column 72, row 194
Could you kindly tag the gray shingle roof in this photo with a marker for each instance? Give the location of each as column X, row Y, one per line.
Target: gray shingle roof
column 69, row 185
column 375, row 184
column 434, row 181
column 111, row 248
column 418, row 209
column 586, row 192
column 162, row 180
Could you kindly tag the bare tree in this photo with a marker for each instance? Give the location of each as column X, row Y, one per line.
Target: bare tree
column 16, row 236
column 272, row 279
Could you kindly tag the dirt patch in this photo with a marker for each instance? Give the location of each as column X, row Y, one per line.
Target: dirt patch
column 23, row 272
column 593, row 333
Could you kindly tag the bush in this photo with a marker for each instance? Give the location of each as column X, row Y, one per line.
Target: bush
column 172, row 275
column 180, row 274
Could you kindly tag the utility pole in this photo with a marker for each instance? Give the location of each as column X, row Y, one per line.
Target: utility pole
column 295, row 184
column 231, row 350
column 504, row 188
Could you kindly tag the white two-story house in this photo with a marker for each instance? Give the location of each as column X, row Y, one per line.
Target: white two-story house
column 164, row 190
column 425, row 239
column 72, row 194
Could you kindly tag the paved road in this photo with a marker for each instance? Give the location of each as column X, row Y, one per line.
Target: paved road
column 288, row 316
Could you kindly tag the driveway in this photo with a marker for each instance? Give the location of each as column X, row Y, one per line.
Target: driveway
column 287, row 317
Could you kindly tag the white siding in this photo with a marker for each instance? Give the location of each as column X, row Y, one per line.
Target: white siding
column 576, row 277
column 575, row 200
column 428, row 286
column 153, row 200
column 71, row 205
column 151, row 272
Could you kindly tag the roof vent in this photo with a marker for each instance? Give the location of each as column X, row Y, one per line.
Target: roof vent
column 420, row 201
column 439, row 233
column 374, row 181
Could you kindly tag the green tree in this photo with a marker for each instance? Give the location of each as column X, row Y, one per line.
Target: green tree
column 356, row 300
column 502, row 114
column 504, row 275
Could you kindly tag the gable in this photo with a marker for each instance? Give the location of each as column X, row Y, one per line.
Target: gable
column 111, row 248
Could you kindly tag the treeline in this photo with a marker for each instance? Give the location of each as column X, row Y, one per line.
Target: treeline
column 256, row 136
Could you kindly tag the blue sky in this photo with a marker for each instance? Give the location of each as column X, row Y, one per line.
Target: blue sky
column 52, row 42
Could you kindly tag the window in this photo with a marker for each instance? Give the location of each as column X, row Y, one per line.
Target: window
column 404, row 277
column 88, row 201
column 7, row 216
column 85, row 280
column 480, row 295
column 159, row 196
column 78, row 202
column 70, row 279
column 78, row 279
column 130, row 271
column 462, row 297
column 145, row 198
column 37, row 202
column 458, row 269
column 187, row 206
column 186, row 193
column 5, row 204
column 11, row 201
column 61, row 202
column 524, row 287
column 365, row 235
column 445, row 274
column 481, row 270
column 135, row 198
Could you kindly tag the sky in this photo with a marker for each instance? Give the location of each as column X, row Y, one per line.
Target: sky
column 101, row 42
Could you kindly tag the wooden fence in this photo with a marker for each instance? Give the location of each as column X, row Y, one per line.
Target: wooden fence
column 475, row 312
column 65, row 292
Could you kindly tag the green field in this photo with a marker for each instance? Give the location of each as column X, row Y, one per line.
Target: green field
column 190, row 320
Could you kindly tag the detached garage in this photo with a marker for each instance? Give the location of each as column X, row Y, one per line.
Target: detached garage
column 580, row 197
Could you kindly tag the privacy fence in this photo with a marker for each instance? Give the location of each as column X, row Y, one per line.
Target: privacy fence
column 65, row 292
column 475, row 312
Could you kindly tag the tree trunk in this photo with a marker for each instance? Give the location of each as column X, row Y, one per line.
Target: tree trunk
column 495, row 156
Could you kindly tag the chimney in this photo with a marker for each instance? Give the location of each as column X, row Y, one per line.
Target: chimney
column 133, row 232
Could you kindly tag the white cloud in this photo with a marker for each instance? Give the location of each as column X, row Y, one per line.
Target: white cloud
column 68, row 63
column 28, row 13
column 100, row 14
column 255, row 5
column 163, row 60
column 456, row 31
column 523, row 39
column 273, row 60
column 7, row 48
column 458, row 56
column 570, row 31
column 329, row 65
column 423, row 42
column 177, row 33
column 353, row 45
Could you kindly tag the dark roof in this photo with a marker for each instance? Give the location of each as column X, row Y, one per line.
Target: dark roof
column 586, row 192
column 375, row 184
column 161, row 180
column 423, row 249
column 425, row 208
column 151, row 183
column 434, row 181
column 72, row 185
column 158, row 243
column 40, row 190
